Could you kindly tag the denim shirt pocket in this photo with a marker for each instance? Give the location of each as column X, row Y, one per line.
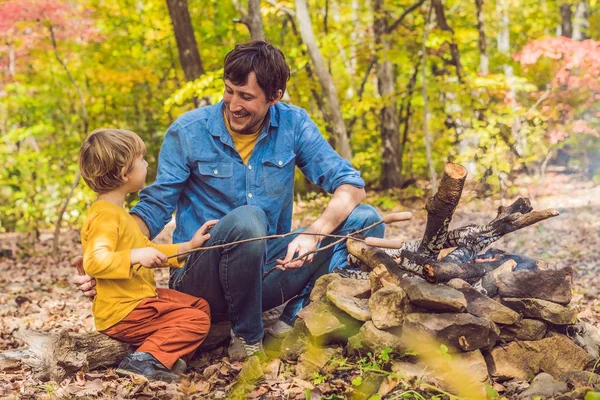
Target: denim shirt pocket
column 278, row 174
column 218, row 176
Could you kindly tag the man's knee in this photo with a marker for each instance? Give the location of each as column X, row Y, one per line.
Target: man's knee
column 248, row 222
column 365, row 213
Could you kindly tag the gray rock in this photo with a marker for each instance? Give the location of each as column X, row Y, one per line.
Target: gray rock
column 314, row 359
column 488, row 284
column 545, row 386
column 369, row 338
column 549, row 285
column 389, row 306
column 521, row 360
column 351, row 287
column 482, row 306
column 459, row 331
column 525, row 329
column 586, row 336
column 542, row 309
column 296, row 342
column 380, row 277
column 581, row 379
column 463, row 372
column 320, row 319
column 474, row 363
column 416, row 372
column 321, row 284
column 439, row 298
column 356, row 308
column 458, row 284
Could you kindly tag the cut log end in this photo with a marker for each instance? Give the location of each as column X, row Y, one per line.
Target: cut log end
column 455, row 171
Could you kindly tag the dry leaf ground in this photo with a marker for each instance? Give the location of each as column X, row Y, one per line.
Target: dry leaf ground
column 35, row 293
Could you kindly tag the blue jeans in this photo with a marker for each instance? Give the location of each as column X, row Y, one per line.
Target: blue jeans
column 230, row 278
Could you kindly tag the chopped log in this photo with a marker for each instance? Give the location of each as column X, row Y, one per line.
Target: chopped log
column 52, row 356
column 516, row 216
column 374, row 257
column 440, row 209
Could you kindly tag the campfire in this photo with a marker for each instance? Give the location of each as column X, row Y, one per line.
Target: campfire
column 500, row 316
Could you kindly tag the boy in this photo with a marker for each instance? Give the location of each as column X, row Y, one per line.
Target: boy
column 167, row 325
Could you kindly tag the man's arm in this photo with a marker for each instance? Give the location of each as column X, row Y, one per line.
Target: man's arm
column 343, row 201
column 158, row 201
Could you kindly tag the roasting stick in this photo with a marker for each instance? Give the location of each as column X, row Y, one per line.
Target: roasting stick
column 387, row 243
column 388, row 219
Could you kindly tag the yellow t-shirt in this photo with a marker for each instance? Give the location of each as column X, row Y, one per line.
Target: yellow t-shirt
column 108, row 235
column 243, row 143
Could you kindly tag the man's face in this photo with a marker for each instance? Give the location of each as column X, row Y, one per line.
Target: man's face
column 246, row 106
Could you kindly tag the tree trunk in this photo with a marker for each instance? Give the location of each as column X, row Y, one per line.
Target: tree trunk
column 391, row 169
column 253, row 20
column 85, row 127
column 484, row 61
column 581, row 21
column 566, row 24
column 340, row 138
column 189, row 57
column 432, row 174
column 440, row 17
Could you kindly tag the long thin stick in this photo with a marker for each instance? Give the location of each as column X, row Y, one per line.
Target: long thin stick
column 387, row 219
column 390, row 218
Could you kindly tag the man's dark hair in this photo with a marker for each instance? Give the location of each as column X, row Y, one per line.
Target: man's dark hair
column 266, row 61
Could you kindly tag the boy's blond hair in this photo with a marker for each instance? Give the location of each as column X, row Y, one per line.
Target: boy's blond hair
column 106, row 156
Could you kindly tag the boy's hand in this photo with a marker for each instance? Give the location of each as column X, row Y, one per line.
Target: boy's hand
column 148, row 257
column 201, row 235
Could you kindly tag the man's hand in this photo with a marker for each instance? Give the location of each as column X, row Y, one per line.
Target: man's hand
column 86, row 284
column 302, row 244
column 148, row 257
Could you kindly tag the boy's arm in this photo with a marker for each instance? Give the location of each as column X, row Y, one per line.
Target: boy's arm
column 158, row 201
column 198, row 240
column 100, row 258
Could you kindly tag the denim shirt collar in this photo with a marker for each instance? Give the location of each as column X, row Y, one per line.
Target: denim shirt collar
column 216, row 124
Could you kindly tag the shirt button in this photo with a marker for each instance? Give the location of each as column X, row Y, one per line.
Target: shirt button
column 249, row 166
column 280, row 163
column 250, row 195
column 216, row 171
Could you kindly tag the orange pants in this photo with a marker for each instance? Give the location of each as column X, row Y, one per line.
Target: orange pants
column 169, row 327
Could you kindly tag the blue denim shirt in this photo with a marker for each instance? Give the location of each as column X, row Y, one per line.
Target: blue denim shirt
column 201, row 174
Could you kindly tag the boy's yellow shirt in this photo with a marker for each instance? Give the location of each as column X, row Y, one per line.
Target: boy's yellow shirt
column 108, row 235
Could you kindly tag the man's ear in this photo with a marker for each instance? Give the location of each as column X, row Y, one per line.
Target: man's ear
column 276, row 98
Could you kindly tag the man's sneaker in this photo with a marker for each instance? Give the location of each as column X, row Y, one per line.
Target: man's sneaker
column 145, row 364
column 239, row 350
column 280, row 329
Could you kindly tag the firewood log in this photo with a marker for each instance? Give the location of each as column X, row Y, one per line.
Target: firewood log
column 440, row 209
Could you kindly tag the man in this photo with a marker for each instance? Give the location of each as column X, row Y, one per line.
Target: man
column 234, row 161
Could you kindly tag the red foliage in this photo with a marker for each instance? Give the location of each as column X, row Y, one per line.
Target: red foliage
column 572, row 105
column 24, row 25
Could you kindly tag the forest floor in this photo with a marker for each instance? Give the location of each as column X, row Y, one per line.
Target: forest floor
column 36, row 294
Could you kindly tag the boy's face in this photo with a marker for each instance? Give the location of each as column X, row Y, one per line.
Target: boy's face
column 246, row 105
column 137, row 175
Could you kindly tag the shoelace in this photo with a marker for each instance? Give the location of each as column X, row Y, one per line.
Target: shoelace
column 251, row 348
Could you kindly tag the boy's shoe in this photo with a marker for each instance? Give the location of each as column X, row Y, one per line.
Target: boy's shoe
column 179, row 367
column 145, row 364
column 238, row 349
column 280, row 330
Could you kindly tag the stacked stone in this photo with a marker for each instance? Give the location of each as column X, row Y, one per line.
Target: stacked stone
column 516, row 331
